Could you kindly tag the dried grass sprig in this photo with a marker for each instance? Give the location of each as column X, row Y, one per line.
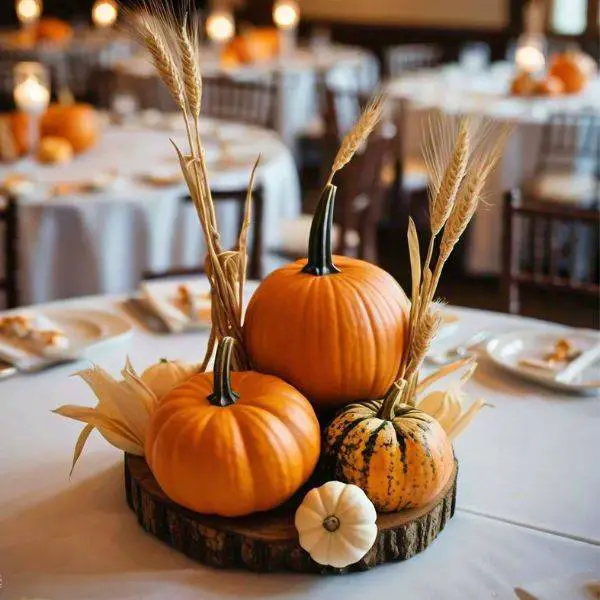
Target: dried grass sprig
column 358, row 134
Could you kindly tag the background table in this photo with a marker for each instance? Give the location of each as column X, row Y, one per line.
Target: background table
column 453, row 91
column 296, row 78
column 527, row 502
column 101, row 242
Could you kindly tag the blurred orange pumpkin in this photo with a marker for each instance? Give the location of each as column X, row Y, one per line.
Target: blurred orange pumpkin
column 549, row 86
column 51, row 29
column 19, row 123
column 523, row 84
column 54, row 151
column 573, row 69
column 77, row 123
column 254, row 45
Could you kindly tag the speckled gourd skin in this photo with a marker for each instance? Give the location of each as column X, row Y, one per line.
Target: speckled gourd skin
column 399, row 463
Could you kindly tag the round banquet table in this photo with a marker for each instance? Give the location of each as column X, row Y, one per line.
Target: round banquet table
column 454, row 90
column 77, row 244
column 296, row 78
column 527, row 507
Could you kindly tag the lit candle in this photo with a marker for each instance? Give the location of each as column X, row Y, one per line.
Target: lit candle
column 286, row 14
column 31, row 95
column 529, row 54
column 28, row 11
column 104, row 13
column 220, row 26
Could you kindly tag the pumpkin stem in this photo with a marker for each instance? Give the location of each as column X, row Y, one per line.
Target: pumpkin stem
column 393, row 396
column 320, row 261
column 222, row 394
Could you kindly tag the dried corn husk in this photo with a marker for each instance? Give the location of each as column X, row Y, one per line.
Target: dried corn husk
column 448, row 403
column 124, row 406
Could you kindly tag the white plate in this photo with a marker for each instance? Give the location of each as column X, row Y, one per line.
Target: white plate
column 85, row 329
column 89, row 328
column 508, row 349
column 448, row 327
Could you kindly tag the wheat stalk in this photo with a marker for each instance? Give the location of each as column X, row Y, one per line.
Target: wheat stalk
column 164, row 63
column 443, row 201
column 191, row 75
column 456, row 191
column 358, row 134
column 427, row 329
column 174, row 54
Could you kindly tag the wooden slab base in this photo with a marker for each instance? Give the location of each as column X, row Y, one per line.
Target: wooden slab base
column 269, row 541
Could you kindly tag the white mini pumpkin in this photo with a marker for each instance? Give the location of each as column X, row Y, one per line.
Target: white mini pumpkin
column 336, row 524
column 162, row 377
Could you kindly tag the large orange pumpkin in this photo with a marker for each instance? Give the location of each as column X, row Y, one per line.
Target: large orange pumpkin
column 337, row 332
column 234, row 444
column 572, row 69
column 51, row 29
column 77, row 123
column 397, row 454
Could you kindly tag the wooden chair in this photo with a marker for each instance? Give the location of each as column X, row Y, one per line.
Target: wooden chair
column 8, row 221
column 544, row 248
column 358, row 207
column 412, row 57
column 568, row 167
column 255, row 269
column 245, row 101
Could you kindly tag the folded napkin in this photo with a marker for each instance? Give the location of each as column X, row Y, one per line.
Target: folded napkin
column 27, row 353
column 581, row 586
column 167, row 299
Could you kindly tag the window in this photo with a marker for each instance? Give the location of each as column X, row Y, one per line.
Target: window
column 569, row 17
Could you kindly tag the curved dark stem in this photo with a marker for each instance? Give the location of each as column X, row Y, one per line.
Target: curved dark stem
column 320, row 261
column 393, row 396
column 222, row 394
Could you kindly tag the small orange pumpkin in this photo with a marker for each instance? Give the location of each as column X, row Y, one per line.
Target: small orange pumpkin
column 51, row 29
column 77, row 123
column 232, row 453
column 570, row 67
column 397, row 454
column 337, row 332
column 523, row 84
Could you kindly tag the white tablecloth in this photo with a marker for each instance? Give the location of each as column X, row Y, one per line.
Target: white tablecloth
column 295, row 77
column 455, row 91
column 101, row 242
column 527, row 504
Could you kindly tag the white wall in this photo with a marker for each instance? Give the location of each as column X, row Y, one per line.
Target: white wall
column 491, row 14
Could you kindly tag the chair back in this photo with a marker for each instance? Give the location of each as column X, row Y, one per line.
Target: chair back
column 571, row 142
column 250, row 102
column 548, row 246
column 255, row 254
column 412, row 57
column 9, row 286
column 360, row 194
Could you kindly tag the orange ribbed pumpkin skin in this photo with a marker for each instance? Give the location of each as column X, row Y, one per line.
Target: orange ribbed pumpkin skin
column 234, row 460
column 77, row 123
column 337, row 338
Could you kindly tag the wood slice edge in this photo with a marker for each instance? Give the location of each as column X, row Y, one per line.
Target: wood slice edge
column 214, row 542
